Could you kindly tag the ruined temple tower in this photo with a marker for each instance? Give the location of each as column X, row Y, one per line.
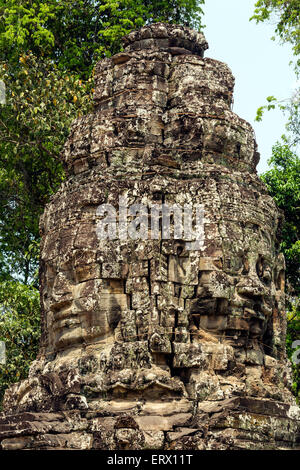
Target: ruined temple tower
column 155, row 342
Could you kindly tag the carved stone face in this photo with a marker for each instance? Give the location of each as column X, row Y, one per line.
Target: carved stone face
column 153, row 305
column 83, row 306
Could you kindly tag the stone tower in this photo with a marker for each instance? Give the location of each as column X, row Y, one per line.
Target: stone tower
column 155, row 342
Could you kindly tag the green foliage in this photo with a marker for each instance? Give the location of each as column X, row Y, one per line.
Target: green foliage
column 19, row 329
column 286, row 15
column 272, row 103
column 77, row 33
column 41, row 103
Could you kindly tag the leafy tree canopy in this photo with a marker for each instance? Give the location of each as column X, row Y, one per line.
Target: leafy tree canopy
column 41, row 102
column 19, row 329
column 77, row 33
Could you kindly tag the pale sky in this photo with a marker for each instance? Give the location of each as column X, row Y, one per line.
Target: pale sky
column 260, row 66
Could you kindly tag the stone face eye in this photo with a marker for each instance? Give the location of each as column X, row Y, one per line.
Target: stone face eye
column 246, row 267
column 280, row 281
column 259, row 267
column 264, row 270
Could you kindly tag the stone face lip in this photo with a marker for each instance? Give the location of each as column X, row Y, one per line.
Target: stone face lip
column 158, row 343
